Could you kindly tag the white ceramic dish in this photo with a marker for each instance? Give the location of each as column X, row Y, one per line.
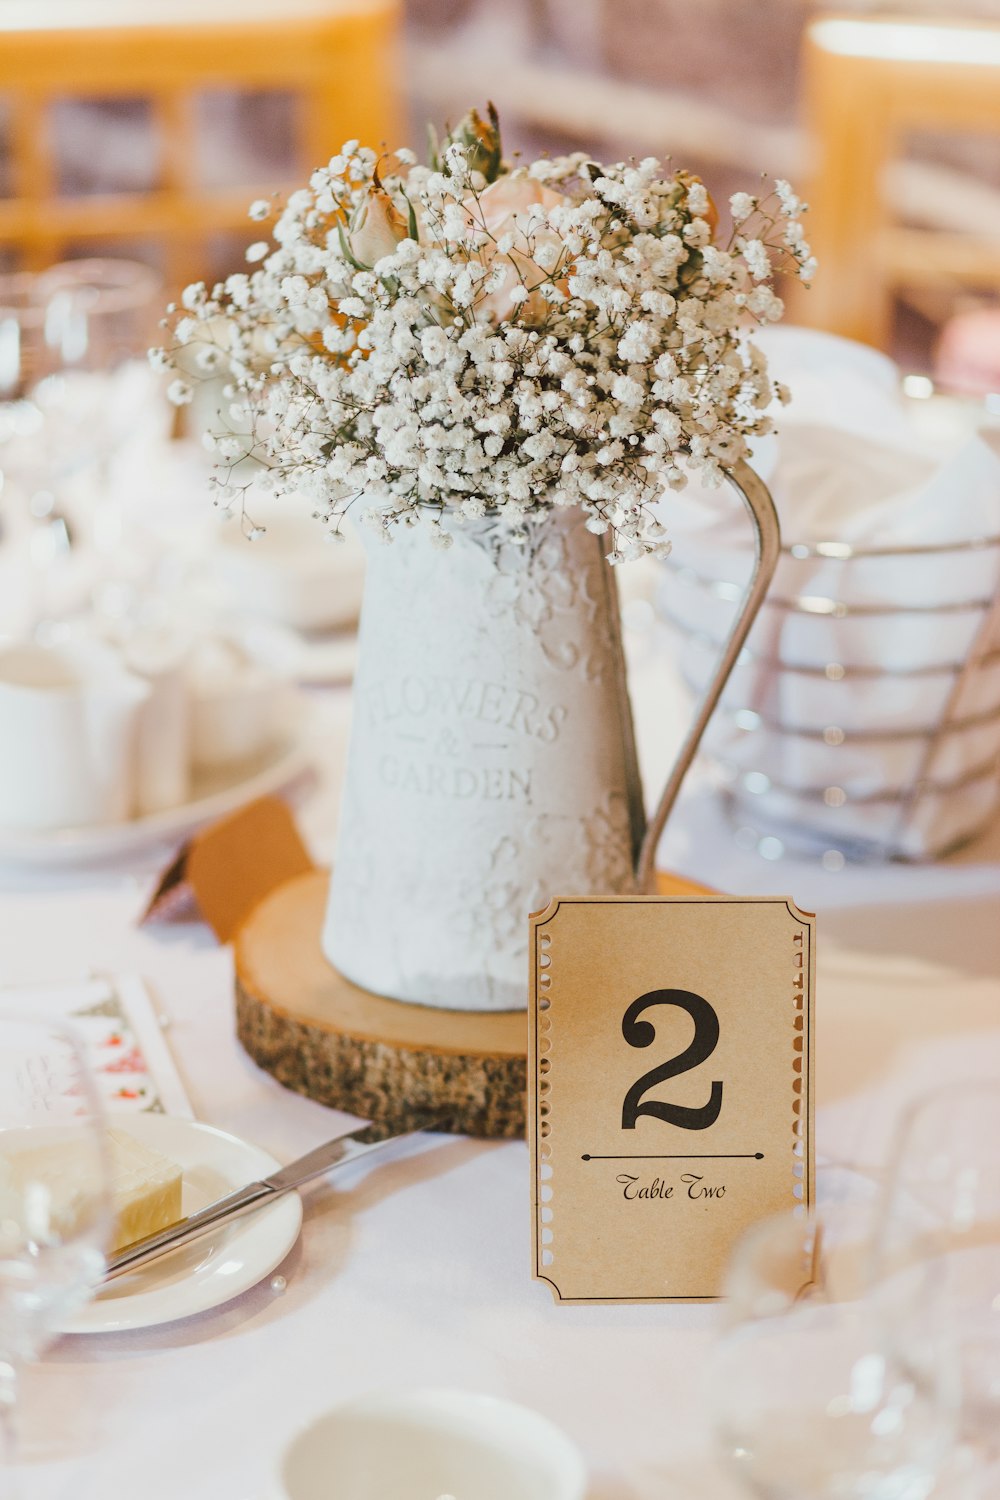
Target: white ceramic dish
column 211, row 1270
column 213, row 795
column 423, row 1444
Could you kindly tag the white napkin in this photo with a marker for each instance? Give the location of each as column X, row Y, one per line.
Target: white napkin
column 850, row 467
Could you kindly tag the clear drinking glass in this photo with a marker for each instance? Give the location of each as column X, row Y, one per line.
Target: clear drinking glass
column 55, row 1202
column 22, row 333
column 811, row 1397
column 98, row 393
column 22, row 359
column 941, row 1216
column 76, row 395
column 33, row 532
column 100, row 319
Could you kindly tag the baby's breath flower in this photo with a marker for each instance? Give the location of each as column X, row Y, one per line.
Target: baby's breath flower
column 209, row 359
column 741, row 206
column 697, row 199
column 787, row 198
column 469, row 340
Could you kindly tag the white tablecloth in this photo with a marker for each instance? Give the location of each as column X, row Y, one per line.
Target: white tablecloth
column 420, row 1273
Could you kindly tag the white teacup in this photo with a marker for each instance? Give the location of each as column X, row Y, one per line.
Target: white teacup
column 426, row 1444
column 68, row 723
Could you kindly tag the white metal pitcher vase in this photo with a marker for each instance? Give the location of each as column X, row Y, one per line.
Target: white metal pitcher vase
column 492, row 759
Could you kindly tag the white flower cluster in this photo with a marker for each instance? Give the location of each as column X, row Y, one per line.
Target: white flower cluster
column 431, row 342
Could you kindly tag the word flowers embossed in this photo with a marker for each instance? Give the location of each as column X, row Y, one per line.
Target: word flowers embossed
column 438, row 344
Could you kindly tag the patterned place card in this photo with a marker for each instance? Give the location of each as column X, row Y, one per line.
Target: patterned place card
column 670, row 1075
column 122, row 1040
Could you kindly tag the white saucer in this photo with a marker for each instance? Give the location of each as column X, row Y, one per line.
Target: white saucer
column 215, row 794
column 211, row 1270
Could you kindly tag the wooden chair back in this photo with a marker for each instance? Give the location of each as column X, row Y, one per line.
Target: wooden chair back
column 336, row 58
column 868, row 82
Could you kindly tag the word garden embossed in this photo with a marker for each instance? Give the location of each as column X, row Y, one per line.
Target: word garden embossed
column 500, row 369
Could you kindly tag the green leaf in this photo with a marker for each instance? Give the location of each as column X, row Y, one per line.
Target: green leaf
column 347, row 252
column 411, row 223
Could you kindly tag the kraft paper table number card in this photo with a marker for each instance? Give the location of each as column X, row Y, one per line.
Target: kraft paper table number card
column 670, row 1078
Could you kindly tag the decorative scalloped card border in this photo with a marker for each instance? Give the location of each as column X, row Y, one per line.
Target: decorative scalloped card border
column 670, row 1079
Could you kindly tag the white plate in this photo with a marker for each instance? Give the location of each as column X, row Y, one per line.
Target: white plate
column 222, row 1264
column 214, row 795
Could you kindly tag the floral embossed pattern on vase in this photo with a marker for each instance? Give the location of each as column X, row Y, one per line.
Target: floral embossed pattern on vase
column 491, row 761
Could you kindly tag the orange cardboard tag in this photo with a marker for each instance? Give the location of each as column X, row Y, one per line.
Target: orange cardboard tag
column 226, row 869
column 670, row 1078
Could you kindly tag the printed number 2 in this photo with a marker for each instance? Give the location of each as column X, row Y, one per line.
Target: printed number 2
column 641, row 1033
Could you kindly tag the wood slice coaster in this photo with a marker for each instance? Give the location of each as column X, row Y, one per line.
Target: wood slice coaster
column 381, row 1059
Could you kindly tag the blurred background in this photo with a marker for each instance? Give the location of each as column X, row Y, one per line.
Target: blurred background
column 731, row 90
column 142, row 126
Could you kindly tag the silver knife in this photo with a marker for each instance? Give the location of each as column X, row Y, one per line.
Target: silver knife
column 335, row 1153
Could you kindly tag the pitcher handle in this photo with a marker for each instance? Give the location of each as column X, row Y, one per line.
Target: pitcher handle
column 767, row 548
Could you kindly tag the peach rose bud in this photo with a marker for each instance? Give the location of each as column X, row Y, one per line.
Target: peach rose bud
column 377, row 228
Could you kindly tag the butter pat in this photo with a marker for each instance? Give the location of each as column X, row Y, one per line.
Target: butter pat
column 50, row 1190
column 145, row 1189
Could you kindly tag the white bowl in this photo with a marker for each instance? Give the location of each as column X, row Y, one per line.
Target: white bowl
column 430, row 1444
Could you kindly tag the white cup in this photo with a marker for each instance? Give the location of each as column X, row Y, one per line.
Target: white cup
column 68, row 724
column 163, row 745
column 431, row 1445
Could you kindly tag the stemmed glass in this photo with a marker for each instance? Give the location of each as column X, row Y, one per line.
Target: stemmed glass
column 941, row 1216
column 100, row 318
column 22, row 359
column 98, row 390
column 76, row 390
column 35, row 535
column 22, row 333
column 55, row 1202
column 812, row 1398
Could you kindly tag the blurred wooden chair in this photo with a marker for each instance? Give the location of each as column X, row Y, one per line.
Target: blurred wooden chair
column 336, row 58
column 868, row 81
